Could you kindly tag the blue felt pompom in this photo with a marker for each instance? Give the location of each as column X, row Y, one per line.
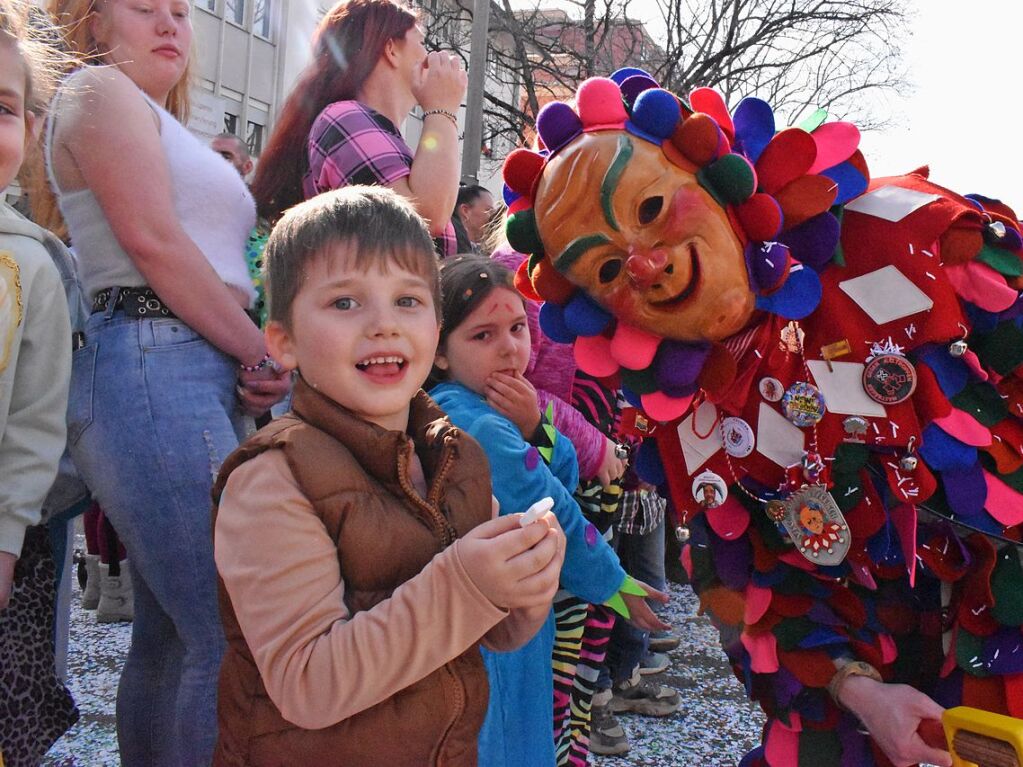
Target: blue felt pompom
column 647, row 463
column 656, row 112
column 623, row 74
column 552, row 323
column 584, row 317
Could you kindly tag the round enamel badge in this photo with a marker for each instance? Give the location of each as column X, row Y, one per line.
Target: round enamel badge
column 803, row 404
column 771, row 389
column 738, row 437
column 889, row 379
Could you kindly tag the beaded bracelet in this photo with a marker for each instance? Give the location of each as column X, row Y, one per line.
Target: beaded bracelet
column 450, row 115
column 266, row 362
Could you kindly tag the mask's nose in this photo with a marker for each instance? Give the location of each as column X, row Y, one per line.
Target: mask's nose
column 645, row 267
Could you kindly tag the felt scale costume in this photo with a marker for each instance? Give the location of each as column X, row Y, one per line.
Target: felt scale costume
column 828, row 367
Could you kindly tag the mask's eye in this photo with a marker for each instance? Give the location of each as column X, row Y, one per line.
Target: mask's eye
column 610, row 269
column 649, row 209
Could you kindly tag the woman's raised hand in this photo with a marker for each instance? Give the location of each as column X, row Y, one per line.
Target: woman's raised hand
column 440, row 82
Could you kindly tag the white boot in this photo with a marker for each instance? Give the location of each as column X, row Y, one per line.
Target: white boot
column 90, row 594
column 116, row 603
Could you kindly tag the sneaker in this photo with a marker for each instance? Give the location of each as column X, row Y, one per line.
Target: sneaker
column 90, row 592
column 663, row 641
column 644, row 697
column 607, row 738
column 116, row 599
column 654, row 663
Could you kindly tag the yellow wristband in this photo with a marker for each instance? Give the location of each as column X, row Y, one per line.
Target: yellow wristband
column 851, row 668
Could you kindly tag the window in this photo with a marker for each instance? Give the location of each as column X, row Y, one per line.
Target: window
column 230, row 123
column 210, row 5
column 254, row 139
column 234, row 10
column 261, row 18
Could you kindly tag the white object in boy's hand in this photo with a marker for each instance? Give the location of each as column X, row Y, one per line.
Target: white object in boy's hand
column 537, row 510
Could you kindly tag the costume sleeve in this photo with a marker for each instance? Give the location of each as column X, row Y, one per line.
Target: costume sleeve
column 35, row 397
column 587, row 439
column 320, row 664
column 347, row 146
column 591, row 570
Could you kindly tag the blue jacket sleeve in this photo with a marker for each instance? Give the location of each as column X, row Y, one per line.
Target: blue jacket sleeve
column 520, row 478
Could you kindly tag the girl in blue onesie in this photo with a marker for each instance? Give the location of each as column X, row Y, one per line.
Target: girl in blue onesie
column 484, row 349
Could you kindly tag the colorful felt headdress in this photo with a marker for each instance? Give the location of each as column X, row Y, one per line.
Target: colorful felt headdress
column 781, row 191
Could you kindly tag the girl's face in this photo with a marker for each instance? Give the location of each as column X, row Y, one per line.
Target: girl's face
column 494, row 338
column 15, row 122
column 148, row 40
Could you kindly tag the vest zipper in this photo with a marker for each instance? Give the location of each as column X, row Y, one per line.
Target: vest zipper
column 442, row 528
column 459, row 707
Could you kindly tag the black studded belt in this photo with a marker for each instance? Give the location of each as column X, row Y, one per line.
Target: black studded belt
column 141, row 303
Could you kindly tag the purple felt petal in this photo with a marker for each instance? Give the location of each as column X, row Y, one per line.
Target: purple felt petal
column 623, row 74
column 733, row 561
column 966, row 490
column 558, row 124
column 797, row 298
column 678, row 364
column 635, row 85
column 1003, row 652
column 1011, row 240
column 851, row 183
column 785, row 686
column 754, row 126
column 592, row 535
column 813, row 242
column 767, row 262
column 855, row 752
column 532, row 458
column 647, row 463
column 823, row 615
column 943, row 452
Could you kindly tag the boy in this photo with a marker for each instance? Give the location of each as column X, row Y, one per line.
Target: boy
column 359, row 565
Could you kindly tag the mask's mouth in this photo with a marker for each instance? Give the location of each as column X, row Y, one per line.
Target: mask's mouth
column 689, row 289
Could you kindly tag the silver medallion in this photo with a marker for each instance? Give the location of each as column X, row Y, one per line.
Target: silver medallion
column 816, row 526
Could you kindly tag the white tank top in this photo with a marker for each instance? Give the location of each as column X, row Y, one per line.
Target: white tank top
column 211, row 201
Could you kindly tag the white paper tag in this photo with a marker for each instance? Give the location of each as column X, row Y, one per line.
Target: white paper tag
column 777, row 439
column 698, row 450
column 843, row 388
column 892, row 203
column 886, row 294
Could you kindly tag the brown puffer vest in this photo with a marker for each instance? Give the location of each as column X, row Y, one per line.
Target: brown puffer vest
column 356, row 477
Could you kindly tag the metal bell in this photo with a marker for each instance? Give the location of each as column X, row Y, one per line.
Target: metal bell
column 682, row 534
column 958, row 348
column 909, row 462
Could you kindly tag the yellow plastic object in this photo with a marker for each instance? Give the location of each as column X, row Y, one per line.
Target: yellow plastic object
column 983, row 739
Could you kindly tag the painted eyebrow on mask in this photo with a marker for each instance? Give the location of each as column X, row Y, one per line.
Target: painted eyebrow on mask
column 611, row 178
column 576, row 248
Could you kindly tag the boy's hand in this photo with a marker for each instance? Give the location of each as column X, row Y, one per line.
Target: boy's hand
column 7, row 562
column 641, row 616
column 260, row 390
column 515, row 398
column 514, row 566
column 892, row 714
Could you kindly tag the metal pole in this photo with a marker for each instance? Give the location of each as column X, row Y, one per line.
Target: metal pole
column 472, row 141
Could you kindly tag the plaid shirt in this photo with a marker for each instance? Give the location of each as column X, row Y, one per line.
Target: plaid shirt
column 352, row 144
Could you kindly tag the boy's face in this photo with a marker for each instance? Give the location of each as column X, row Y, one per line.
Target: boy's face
column 15, row 123
column 364, row 338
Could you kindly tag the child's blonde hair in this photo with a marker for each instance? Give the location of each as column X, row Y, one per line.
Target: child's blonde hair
column 27, row 29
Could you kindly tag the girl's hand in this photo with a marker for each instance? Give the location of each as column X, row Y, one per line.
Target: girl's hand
column 441, row 82
column 611, row 466
column 515, row 398
column 892, row 714
column 640, row 614
column 7, row 562
column 260, row 390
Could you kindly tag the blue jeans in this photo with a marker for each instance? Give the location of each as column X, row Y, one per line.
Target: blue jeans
column 152, row 415
column 642, row 557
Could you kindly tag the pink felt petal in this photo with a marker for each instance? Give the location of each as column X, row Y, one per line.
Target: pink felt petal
column 904, row 518
column 729, row 520
column 973, row 362
column 950, row 656
column 862, row 575
column 889, row 652
column 763, row 652
column 836, row 143
column 709, row 101
column 788, row 156
column 1003, row 503
column 686, row 560
column 593, row 356
column 758, row 599
column 981, row 285
column 782, row 746
column 661, row 407
column 965, row 428
column 633, row 348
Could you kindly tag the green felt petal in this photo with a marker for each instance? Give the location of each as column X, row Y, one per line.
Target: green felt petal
column 1002, row 261
column 817, row 747
column 968, row 652
column 629, row 586
column 1005, row 581
column 814, row 121
column 617, row 604
column 843, row 484
column 1014, row 480
column 850, row 457
column 1002, row 350
column 838, row 257
column 981, row 400
column 639, row 381
column 789, row 632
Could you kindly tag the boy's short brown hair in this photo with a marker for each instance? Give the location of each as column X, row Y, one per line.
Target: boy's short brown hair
column 377, row 223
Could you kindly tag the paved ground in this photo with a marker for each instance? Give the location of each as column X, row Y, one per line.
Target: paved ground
column 714, row 727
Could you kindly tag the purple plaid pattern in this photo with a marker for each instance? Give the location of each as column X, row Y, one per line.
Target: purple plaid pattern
column 350, row 143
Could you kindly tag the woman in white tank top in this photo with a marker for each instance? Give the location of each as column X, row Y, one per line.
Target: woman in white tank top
column 171, row 360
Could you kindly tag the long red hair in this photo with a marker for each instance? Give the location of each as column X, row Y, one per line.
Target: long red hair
column 347, row 45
